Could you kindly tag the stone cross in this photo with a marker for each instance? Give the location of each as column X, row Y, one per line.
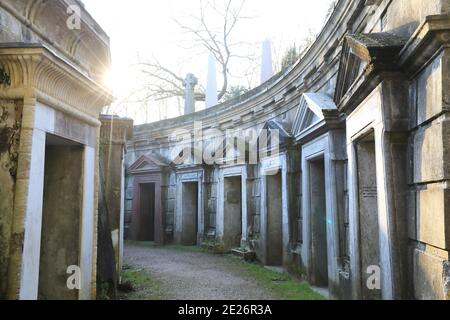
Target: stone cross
column 189, row 93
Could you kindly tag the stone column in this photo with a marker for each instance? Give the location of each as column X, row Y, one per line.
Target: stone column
column 114, row 134
column 189, row 94
column 24, row 253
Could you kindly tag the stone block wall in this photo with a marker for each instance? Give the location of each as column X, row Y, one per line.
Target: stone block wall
column 430, row 180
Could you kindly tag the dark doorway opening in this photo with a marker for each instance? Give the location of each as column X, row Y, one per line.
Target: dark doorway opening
column 232, row 212
column 61, row 217
column 369, row 230
column 274, row 256
column 189, row 214
column 318, row 218
column 147, row 212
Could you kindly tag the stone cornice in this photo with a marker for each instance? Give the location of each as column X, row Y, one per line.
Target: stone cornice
column 38, row 73
column 47, row 21
column 429, row 38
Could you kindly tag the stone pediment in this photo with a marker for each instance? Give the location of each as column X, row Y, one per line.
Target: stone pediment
column 147, row 164
column 375, row 47
column 268, row 142
column 365, row 53
column 312, row 110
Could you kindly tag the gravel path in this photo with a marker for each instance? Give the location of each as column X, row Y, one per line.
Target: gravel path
column 194, row 275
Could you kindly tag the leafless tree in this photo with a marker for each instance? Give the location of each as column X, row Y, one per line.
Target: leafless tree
column 213, row 29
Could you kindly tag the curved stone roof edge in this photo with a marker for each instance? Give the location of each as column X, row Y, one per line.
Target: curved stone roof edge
column 91, row 21
column 341, row 11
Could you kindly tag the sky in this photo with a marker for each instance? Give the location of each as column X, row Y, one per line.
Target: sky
column 142, row 30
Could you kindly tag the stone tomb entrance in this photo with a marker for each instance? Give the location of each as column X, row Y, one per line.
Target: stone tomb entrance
column 146, row 231
column 274, row 253
column 368, row 212
column 62, row 211
column 147, row 220
column 318, row 223
column 190, row 207
column 232, row 212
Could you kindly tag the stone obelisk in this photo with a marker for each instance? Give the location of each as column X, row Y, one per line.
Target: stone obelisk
column 211, row 84
column 189, row 93
column 266, row 65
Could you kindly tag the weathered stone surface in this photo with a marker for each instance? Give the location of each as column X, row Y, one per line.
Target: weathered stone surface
column 432, row 151
column 256, row 188
column 430, row 91
column 171, row 193
column 255, row 205
column 433, row 218
column 169, row 218
column 213, row 191
column 212, row 205
column 129, row 194
column 128, row 205
column 61, row 221
column 10, row 119
column 428, row 276
column 171, row 205
column 257, row 224
column 404, row 16
column 212, row 221
column 129, row 182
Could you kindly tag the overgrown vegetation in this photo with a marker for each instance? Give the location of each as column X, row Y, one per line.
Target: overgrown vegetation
column 290, row 57
column 234, row 92
column 282, row 285
column 137, row 284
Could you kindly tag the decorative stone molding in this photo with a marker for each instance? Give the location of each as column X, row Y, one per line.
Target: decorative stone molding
column 37, row 72
column 85, row 47
column 431, row 37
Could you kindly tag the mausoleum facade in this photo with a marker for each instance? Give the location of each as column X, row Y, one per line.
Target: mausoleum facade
column 53, row 58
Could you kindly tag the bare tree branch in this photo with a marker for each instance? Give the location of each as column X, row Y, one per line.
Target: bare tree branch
column 162, row 83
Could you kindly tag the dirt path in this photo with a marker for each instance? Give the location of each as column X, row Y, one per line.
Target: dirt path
column 186, row 275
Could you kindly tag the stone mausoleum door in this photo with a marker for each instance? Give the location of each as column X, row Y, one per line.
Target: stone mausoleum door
column 274, row 255
column 147, row 219
column 189, row 214
column 318, row 221
column 147, row 212
column 368, row 212
column 232, row 212
column 61, row 215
